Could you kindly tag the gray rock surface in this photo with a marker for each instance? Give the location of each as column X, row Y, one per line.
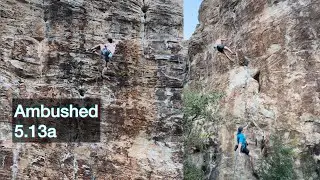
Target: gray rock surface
column 273, row 80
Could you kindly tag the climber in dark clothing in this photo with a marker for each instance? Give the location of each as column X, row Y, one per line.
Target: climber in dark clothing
column 220, row 47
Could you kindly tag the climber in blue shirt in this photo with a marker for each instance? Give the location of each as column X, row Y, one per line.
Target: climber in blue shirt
column 242, row 142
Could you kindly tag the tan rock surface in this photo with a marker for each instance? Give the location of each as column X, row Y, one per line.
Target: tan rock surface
column 42, row 48
column 279, row 89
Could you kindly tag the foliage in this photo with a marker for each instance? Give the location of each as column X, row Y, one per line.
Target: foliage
column 195, row 105
column 197, row 140
column 198, row 108
column 192, row 172
column 279, row 164
column 198, row 105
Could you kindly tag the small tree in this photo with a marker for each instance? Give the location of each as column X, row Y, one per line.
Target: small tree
column 279, row 164
column 195, row 105
column 202, row 107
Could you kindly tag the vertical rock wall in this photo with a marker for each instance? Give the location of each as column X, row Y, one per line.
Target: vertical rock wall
column 42, row 48
column 272, row 83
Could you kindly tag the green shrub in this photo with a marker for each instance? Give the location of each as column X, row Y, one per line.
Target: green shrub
column 192, row 172
column 202, row 107
column 196, row 140
column 279, row 164
column 195, row 105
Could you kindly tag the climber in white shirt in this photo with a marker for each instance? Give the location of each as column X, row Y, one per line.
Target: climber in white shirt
column 106, row 50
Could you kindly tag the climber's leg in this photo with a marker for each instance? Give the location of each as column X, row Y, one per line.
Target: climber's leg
column 228, row 57
column 95, row 52
column 104, row 70
column 106, row 58
column 228, row 49
column 247, row 152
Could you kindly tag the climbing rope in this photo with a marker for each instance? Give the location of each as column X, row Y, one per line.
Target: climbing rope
column 234, row 166
column 246, row 85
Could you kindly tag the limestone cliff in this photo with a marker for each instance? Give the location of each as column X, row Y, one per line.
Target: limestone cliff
column 42, row 48
column 272, row 83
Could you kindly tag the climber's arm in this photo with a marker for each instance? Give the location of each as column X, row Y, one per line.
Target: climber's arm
column 246, row 126
column 97, row 47
column 228, row 49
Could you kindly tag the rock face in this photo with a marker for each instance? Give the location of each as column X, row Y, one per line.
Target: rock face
column 272, row 83
column 42, row 48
